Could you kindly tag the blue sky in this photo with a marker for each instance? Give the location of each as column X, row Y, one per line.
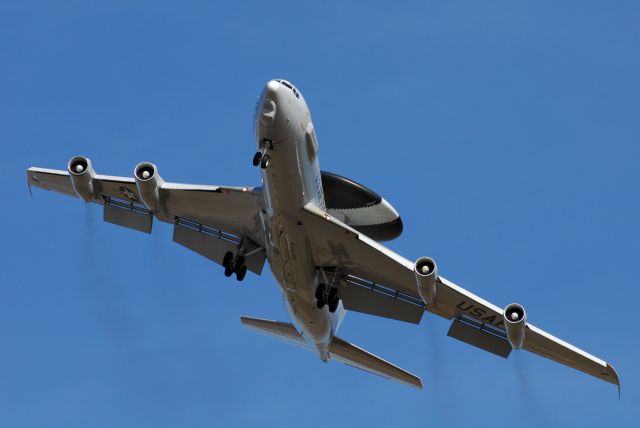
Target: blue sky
column 507, row 135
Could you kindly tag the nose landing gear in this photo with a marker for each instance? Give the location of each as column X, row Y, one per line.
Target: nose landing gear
column 266, row 160
column 261, row 157
column 257, row 158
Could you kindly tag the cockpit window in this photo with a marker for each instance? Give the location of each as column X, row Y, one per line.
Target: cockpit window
column 290, row 86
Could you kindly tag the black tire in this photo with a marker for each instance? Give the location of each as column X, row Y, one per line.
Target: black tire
column 257, row 158
column 333, row 300
column 266, row 160
column 228, row 271
column 320, row 296
column 226, row 261
column 241, row 273
column 239, row 265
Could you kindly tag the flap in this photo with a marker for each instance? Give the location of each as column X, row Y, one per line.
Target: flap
column 480, row 335
column 214, row 244
column 361, row 296
column 129, row 215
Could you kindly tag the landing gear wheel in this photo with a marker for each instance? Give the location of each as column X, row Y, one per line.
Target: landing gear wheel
column 240, row 269
column 320, row 296
column 333, row 300
column 239, row 264
column 266, row 160
column 228, row 271
column 257, row 158
column 226, row 261
column 241, row 273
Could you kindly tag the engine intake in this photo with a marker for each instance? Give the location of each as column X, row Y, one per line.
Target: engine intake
column 149, row 183
column 82, row 177
column 515, row 319
column 426, row 273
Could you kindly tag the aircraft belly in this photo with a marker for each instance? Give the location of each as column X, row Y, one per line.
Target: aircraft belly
column 290, row 255
column 297, row 277
column 290, row 183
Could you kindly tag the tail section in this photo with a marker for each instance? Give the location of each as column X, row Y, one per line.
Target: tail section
column 355, row 356
column 339, row 349
column 279, row 330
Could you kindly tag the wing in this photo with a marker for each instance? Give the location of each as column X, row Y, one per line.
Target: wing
column 377, row 281
column 210, row 220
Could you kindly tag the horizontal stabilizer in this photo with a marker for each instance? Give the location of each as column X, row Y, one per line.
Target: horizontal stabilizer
column 339, row 350
column 354, row 356
column 280, row 330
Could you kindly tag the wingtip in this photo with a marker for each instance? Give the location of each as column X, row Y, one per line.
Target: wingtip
column 619, row 396
column 29, row 184
column 414, row 382
column 411, row 380
column 615, row 379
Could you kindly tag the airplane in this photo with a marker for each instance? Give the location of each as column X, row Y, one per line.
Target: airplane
column 321, row 234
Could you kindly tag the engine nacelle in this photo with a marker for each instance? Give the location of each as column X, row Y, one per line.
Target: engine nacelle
column 82, row 177
column 149, row 183
column 515, row 319
column 426, row 273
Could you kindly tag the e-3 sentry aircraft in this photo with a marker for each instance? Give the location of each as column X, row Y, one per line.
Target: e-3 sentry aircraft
column 320, row 233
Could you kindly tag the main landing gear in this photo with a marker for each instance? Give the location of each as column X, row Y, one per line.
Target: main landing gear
column 233, row 265
column 326, row 295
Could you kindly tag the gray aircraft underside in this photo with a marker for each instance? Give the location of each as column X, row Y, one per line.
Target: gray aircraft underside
column 321, row 234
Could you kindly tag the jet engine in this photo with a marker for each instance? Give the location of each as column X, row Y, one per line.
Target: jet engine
column 515, row 319
column 82, row 177
column 149, row 183
column 426, row 273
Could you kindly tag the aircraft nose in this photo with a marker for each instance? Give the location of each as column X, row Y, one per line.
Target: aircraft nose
column 272, row 89
column 269, row 106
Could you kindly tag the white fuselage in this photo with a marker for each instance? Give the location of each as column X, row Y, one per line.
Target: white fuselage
column 284, row 131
